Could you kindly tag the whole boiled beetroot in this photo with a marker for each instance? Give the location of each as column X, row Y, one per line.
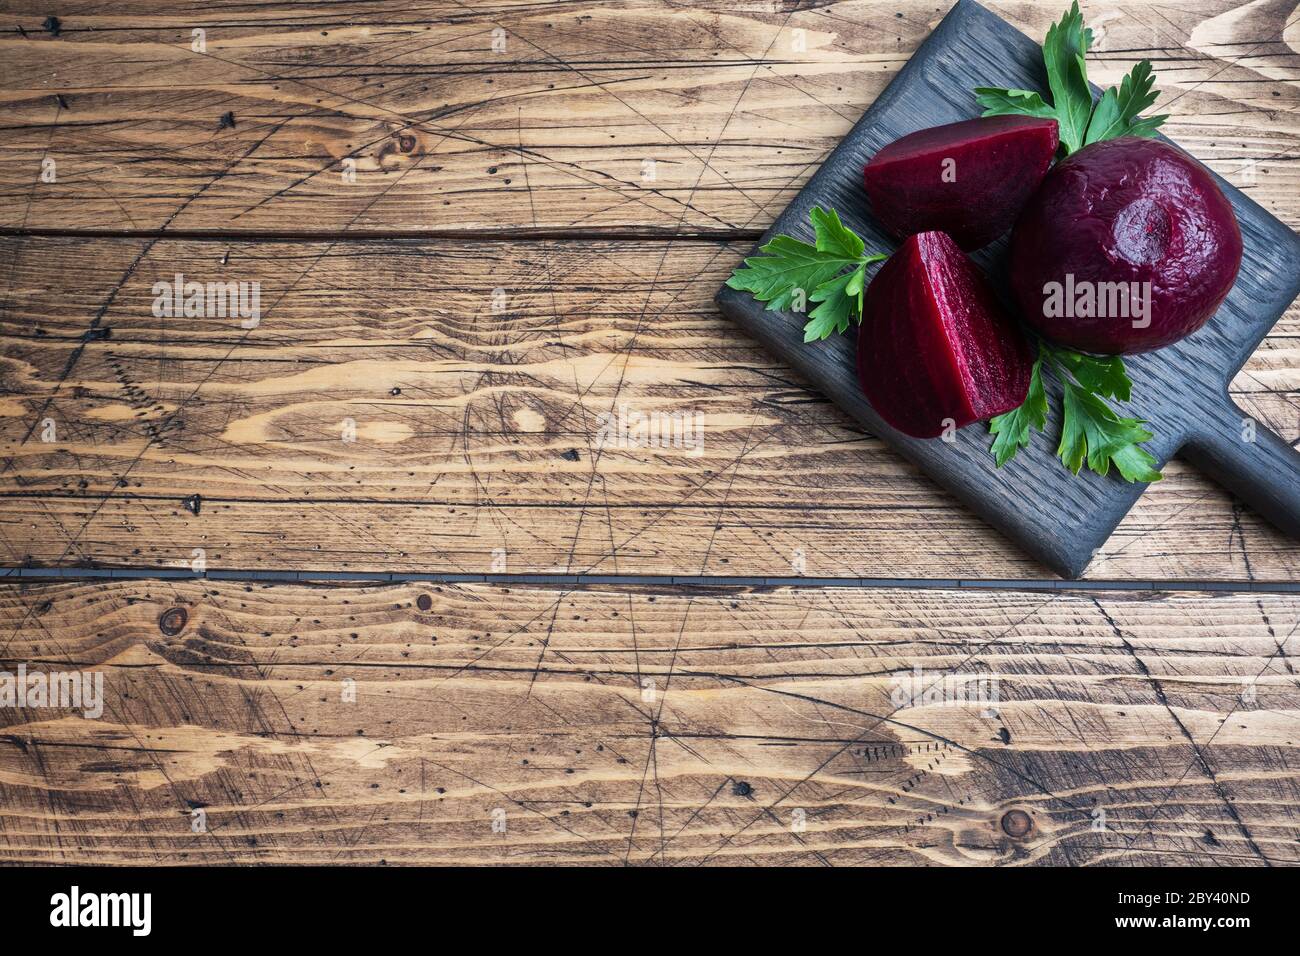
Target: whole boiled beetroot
column 968, row 179
column 936, row 349
column 1128, row 246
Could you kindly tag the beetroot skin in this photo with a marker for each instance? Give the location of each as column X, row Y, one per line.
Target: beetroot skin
column 967, row 179
column 1107, row 221
column 936, row 347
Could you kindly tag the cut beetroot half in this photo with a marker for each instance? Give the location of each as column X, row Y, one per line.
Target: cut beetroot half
column 968, row 179
column 937, row 350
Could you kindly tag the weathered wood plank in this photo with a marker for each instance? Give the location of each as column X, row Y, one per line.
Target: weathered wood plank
column 734, row 106
column 651, row 726
column 478, row 440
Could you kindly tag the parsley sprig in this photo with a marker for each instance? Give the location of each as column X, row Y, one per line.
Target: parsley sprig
column 832, row 273
column 1091, row 431
column 1115, row 114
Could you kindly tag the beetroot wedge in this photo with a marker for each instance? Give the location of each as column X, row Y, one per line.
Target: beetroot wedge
column 936, row 350
column 967, row 179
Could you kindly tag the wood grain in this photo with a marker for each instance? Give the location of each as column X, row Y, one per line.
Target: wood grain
column 478, row 430
column 733, row 104
column 1170, row 717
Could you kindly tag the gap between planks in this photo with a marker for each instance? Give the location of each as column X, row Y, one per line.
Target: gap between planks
column 641, row 580
column 511, row 234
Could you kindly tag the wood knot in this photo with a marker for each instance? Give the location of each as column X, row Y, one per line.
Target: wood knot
column 424, row 602
column 172, row 621
column 1017, row 824
column 397, row 146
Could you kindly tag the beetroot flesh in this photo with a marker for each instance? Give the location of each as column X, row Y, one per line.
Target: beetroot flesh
column 996, row 164
column 1125, row 211
column 936, row 346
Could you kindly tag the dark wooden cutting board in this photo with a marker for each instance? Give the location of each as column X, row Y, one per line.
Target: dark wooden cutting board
column 1059, row 518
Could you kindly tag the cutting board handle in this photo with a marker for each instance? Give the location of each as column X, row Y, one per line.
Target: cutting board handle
column 1263, row 472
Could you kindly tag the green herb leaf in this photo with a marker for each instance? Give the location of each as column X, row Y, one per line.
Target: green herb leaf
column 1104, row 374
column 1092, row 432
column 1067, row 75
column 834, row 310
column 833, row 237
column 1135, row 464
column 793, row 273
column 998, row 102
column 1117, row 112
column 1080, row 123
column 789, row 266
column 1146, row 126
column 1012, row 428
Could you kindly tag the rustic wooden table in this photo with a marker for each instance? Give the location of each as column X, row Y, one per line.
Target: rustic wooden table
column 365, row 584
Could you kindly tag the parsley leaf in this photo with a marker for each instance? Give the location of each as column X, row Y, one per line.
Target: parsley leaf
column 998, row 102
column 1104, row 374
column 1012, row 428
column 831, row 273
column 1091, row 431
column 790, row 267
column 1063, row 51
column 833, row 237
column 1115, row 114
column 1134, row 463
column 834, row 308
column 1117, row 111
